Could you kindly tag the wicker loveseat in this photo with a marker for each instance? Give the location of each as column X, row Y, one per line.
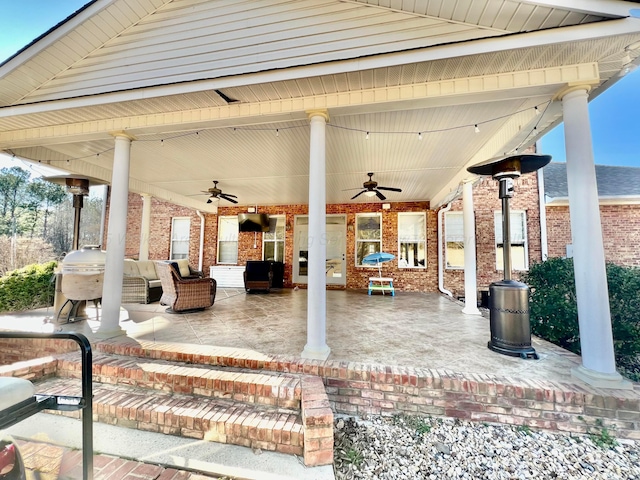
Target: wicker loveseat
column 141, row 283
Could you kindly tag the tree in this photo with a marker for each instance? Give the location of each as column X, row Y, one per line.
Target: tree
column 42, row 196
column 13, row 183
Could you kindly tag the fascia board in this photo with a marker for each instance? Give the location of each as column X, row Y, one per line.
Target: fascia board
column 612, row 8
column 602, row 200
column 475, row 47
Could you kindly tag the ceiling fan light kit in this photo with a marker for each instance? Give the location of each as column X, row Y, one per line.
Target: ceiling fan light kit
column 371, row 189
column 215, row 192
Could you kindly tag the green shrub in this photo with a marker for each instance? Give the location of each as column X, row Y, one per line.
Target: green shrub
column 27, row 288
column 554, row 311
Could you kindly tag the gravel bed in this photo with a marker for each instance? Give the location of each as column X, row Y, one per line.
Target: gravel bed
column 410, row 447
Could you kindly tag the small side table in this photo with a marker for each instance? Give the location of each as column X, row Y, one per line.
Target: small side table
column 381, row 283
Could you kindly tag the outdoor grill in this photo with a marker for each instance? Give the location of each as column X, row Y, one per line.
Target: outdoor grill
column 81, row 278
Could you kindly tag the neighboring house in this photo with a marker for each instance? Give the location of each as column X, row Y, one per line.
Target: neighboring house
column 619, row 198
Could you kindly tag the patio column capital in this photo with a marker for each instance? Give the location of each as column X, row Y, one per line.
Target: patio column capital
column 573, row 88
column 318, row 113
column 122, row 134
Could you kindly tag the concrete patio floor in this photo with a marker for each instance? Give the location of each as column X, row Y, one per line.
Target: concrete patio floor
column 410, row 329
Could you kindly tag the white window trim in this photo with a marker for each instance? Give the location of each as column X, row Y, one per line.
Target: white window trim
column 171, row 240
column 424, row 216
column 366, row 214
column 525, row 234
column 275, row 240
column 446, row 240
column 218, row 262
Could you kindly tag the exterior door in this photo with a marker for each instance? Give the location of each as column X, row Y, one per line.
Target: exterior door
column 335, row 241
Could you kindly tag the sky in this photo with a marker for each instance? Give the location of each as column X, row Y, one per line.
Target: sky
column 614, row 115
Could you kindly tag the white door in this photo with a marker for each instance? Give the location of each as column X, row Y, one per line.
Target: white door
column 336, row 248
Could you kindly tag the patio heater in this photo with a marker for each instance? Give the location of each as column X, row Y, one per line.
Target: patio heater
column 509, row 299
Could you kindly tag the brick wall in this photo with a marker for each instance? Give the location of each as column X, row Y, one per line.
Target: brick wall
column 486, row 202
column 620, row 232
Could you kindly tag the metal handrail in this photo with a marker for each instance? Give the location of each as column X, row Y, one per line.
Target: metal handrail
column 86, row 403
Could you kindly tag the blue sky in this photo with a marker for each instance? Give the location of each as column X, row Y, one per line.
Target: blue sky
column 615, row 114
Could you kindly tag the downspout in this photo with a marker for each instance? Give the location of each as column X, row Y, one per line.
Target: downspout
column 544, row 247
column 201, row 246
column 441, row 213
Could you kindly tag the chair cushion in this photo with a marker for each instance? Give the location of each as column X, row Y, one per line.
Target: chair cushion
column 183, row 266
column 130, row 267
column 147, row 269
column 14, row 390
column 155, row 283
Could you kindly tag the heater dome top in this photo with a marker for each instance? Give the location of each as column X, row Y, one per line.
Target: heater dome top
column 510, row 166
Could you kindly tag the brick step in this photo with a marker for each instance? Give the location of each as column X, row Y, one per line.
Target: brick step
column 261, row 387
column 206, row 418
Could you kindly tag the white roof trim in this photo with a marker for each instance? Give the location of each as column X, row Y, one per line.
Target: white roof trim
column 591, row 7
column 509, row 42
column 602, row 200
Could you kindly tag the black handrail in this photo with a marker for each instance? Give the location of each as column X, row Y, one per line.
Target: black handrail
column 87, row 390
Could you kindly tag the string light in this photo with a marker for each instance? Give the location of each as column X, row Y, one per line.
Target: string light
column 420, row 134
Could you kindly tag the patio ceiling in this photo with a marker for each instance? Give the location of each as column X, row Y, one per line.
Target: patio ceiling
column 219, row 90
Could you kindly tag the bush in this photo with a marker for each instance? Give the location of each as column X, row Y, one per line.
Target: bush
column 27, row 288
column 554, row 311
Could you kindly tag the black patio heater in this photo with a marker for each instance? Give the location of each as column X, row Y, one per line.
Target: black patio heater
column 509, row 299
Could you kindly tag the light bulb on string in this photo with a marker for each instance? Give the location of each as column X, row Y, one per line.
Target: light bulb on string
column 367, row 136
column 476, row 129
column 419, row 135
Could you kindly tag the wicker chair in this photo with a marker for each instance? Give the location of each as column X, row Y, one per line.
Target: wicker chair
column 258, row 276
column 184, row 294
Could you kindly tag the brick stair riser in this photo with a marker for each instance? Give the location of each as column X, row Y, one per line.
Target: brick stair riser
column 192, row 417
column 278, row 391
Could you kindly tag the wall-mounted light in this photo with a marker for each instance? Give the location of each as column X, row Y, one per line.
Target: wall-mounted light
column 350, row 226
column 386, row 206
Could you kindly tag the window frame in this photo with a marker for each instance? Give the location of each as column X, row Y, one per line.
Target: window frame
column 366, row 240
column 173, row 240
column 281, row 221
column 446, row 240
column 523, row 216
column 423, row 240
column 220, row 219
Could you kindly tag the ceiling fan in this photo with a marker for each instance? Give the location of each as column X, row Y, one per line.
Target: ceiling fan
column 215, row 192
column 371, row 188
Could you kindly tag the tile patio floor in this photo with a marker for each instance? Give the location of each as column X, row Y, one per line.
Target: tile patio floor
column 410, row 329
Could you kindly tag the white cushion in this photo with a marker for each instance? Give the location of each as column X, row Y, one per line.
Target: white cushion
column 155, row 283
column 131, row 267
column 14, row 390
column 147, row 269
column 183, row 266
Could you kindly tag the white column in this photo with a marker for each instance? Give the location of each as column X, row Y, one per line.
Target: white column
column 117, row 230
column 145, row 227
column 469, row 225
column 596, row 340
column 316, row 346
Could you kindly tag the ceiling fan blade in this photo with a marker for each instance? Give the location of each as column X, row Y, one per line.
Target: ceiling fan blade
column 380, row 195
column 222, row 195
column 229, row 195
column 358, row 194
column 391, row 189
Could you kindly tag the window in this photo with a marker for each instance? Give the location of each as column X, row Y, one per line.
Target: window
column 519, row 251
column 228, row 239
column 454, row 239
column 273, row 242
column 180, row 227
column 412, row 240
column 368, row 235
